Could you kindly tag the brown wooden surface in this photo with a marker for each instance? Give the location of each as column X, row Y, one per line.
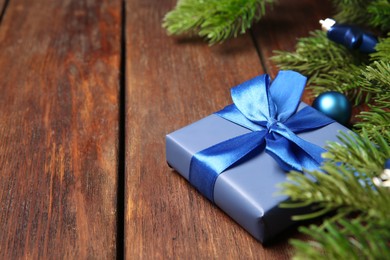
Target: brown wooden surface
column 59, row 129
column 171, row 83
column 70, row 85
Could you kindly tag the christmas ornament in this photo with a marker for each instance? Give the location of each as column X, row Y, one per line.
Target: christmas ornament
column 350, row 36
column 335, row 105
column 384, row 179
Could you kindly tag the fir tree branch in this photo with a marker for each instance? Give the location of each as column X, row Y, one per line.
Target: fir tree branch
column 375, row 120
column 377, row 79
column 362, row 12
column 380, row 14
column 346, row 188
column 352, row 11
column 378, row 74
column 216, row 20
column 315, row 55
column 350, row 167
column 345, row 239
column 382, row 50
column 329, row 66
column 347, row 80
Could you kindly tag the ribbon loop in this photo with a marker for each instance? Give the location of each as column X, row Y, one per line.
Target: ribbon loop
column 270, row 111
column 253, row 102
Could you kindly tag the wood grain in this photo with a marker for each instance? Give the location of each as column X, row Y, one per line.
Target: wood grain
column 171, row 83
column 59, row 129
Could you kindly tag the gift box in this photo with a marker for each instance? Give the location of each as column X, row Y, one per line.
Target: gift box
column 238, row 156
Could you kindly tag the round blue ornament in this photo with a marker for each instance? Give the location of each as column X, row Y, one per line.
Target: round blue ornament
column 335, row 105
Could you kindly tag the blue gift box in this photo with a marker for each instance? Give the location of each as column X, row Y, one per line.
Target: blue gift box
column 247, row 189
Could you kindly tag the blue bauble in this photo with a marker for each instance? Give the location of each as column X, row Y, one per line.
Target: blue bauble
column 335, row 105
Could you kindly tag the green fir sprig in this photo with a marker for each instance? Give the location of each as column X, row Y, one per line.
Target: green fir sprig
column 374, row 13
column 376, row 120
column 215, row 20
column 325, row 63
column 359, row 227
column 344, row 239
column 383, row 50
column 331, row 66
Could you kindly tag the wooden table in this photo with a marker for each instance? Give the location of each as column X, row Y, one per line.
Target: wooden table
column 89, row 89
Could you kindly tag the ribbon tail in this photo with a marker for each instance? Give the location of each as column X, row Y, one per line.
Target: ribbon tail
column 294, row 153
column 307, row 119
column 207, row 164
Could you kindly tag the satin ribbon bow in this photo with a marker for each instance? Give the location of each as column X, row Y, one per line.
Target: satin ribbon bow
column 270, row 112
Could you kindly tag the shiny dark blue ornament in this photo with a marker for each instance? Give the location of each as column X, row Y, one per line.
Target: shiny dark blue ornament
column 352, row 37
column 335, row 105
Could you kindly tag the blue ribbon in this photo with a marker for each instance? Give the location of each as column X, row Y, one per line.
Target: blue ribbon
column 270, row 112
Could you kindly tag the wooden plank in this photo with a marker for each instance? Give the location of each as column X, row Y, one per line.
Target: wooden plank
column 171, row 83
column 59, row 70
column 286, row 22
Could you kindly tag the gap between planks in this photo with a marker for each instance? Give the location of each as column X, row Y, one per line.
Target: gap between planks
column 120, row 235
column 260, row 55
